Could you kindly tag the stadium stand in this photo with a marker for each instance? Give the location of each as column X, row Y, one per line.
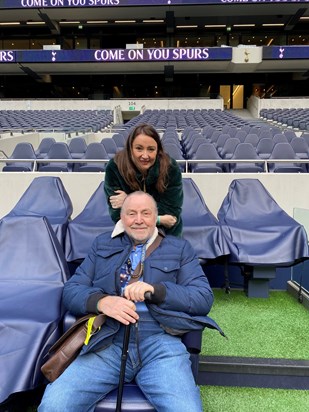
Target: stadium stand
column 68, row 121
column 111, row 98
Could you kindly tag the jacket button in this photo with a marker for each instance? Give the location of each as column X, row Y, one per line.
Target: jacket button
column 165, row 268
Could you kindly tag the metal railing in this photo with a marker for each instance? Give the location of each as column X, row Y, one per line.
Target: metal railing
column 185, row 162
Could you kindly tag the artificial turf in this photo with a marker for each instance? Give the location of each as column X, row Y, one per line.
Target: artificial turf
column 273, row 327
column 233, row 399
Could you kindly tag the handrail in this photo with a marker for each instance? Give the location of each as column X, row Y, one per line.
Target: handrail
column 2, row 152
column 186, row 162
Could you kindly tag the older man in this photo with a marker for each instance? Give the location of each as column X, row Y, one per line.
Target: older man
column 180, row 300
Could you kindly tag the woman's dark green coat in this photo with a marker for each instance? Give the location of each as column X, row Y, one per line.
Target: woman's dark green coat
column 169, row 202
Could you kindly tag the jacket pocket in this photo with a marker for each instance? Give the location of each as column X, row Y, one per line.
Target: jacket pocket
column 167, row 268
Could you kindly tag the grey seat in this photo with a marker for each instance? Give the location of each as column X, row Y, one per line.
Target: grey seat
column 246, row 151
column 77, row 147
column 21, row 151
column 110, row 146
column 284, row 151
column 44, row 146
column 58, row 151
column 265, row 147
column 207, row 151
column 95, row 151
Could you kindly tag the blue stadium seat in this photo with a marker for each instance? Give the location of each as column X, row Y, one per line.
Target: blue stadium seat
column 84, row 228
column 32, row 274
column 95, row 151
column 200, row 227
column 207, row 151
column 77, row 147
column 110, row 146
column 246, row 151
column 260, row 235
column 44, row 146
column 265, row 147
column 58, row 151
column 46, row 196
column 21, row 151
column 284, row 151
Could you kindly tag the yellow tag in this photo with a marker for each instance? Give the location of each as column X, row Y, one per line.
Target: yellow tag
column 89, row 330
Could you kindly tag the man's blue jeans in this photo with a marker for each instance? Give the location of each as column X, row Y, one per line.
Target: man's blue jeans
column 158, row 361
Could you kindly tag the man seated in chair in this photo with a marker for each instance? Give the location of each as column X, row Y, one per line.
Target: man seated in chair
column 180, row 301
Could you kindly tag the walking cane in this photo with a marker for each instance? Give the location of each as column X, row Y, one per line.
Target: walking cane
column 124, row 357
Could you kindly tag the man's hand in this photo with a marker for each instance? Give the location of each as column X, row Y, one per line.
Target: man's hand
column 119, row 308
column 136, row 291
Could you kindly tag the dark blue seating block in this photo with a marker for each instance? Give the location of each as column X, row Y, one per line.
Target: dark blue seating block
column 200, row 227
column 259, row 233
column 32, row 274
column 85, row 227
column 46, row 196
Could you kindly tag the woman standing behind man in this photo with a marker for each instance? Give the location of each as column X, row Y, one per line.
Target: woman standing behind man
column 144, row 165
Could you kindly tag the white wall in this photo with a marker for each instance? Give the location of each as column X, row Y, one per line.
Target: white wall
column 255, row 104
column 197, row 103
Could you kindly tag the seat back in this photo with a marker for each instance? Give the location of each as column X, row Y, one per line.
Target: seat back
column 284, row 151
column 265, row 147
column 46, row 196
column 58, row 150
column 252, row 138
column 32, row 274
column 120, row 140
column 206, row 151
column 229, row 147
column 200, row 227
column 22, row 150
column 246, row 151
column 77, row 147
column 175, row 152
column 110, row 146
column 257, row 230
column 44, row 146
column 84, row 228
column 95, row 151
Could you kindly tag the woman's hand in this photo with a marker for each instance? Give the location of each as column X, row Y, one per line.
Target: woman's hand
column 117, row 199
column 168, row 220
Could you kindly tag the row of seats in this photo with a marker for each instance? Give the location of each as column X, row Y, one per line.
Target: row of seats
column 67, row 121
column 77, row 148
column 36, row 275
column 296, row 118
column 215, row 145
column 46, row 196
column 197, row 152
column 182, row 119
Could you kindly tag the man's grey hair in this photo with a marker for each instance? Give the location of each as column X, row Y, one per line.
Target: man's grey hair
column 140, row 193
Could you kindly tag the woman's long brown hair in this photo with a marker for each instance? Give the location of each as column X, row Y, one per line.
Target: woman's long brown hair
column 126, row 167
